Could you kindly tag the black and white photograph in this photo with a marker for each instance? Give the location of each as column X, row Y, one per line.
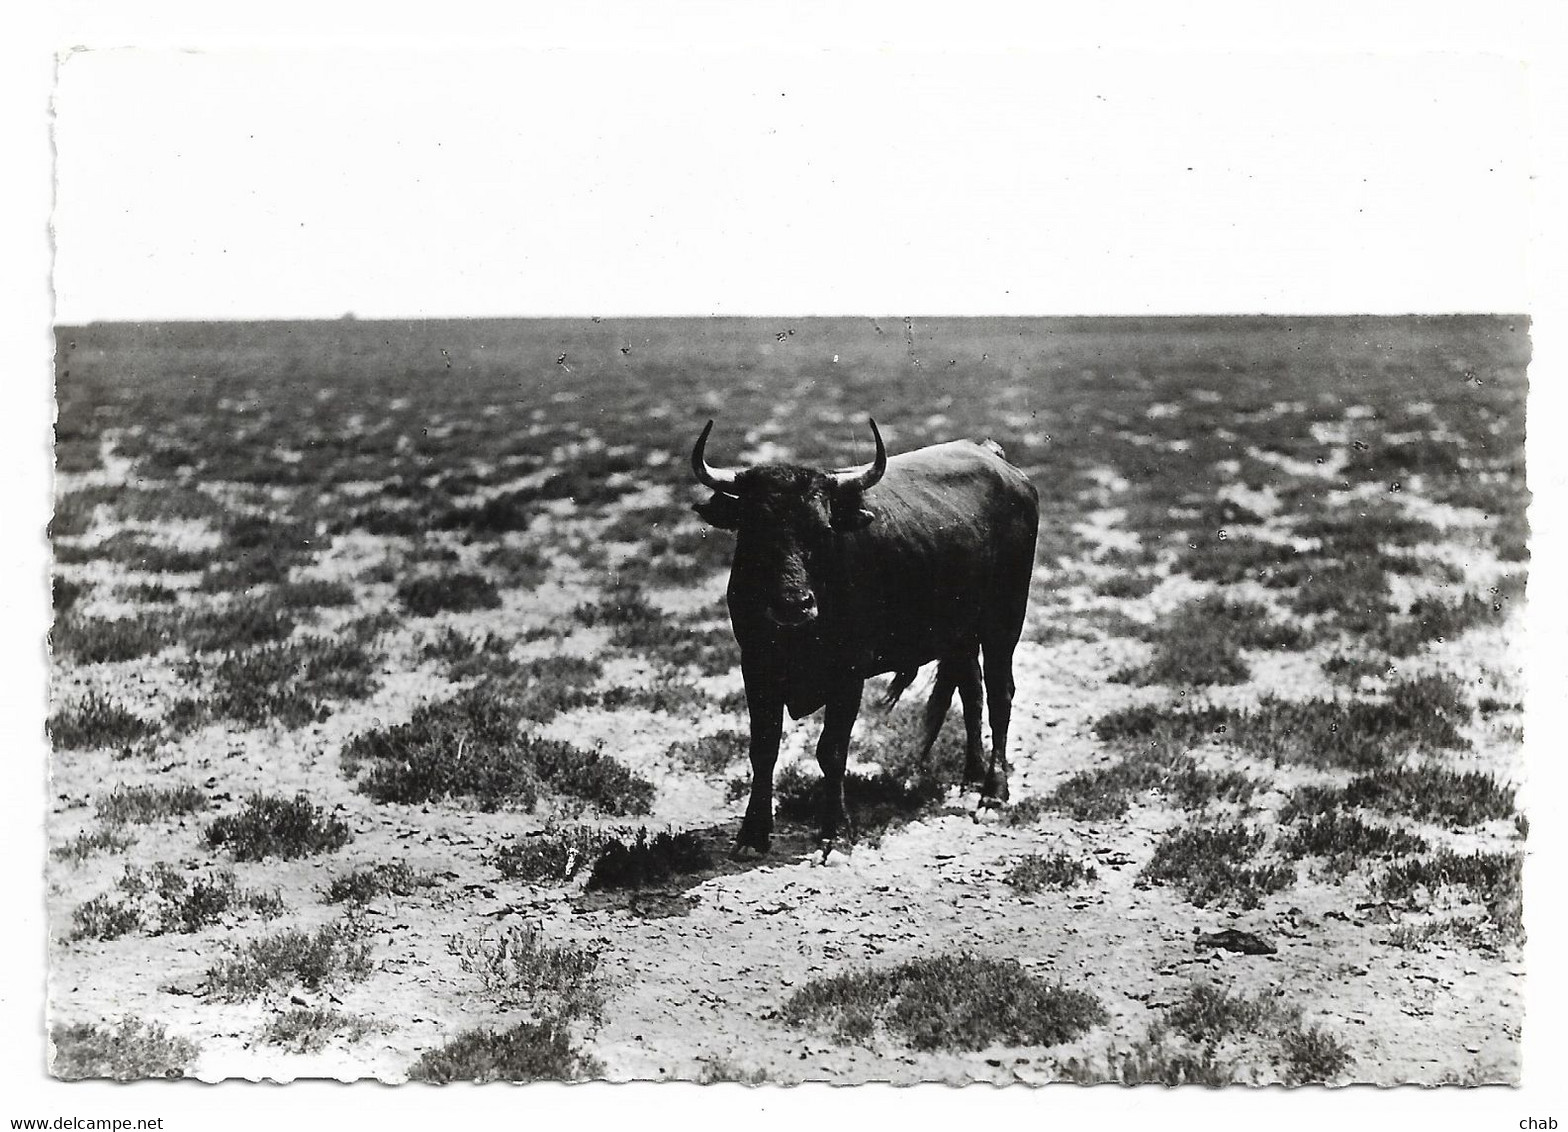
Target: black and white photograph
column 793, row 563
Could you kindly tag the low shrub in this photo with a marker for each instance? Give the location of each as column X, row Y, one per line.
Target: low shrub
column 953, row 1001
column 363, row 885
column 283, row 828
column 128, row 1051
column 97, row 722
column 648, row 860
column 330, row 955
column 308, row 1030
column 518, row 968
column 1035, row 872
column 528, row 1051
column 442, row 593
column 143, row 804
column 1214, row 865
column 551, row 856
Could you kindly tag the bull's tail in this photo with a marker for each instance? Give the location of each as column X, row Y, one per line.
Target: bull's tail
column 900, row 684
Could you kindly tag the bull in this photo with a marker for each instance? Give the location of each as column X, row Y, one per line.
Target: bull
column 839, row 576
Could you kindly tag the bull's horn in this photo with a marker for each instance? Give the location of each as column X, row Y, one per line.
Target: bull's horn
column 866, row 476
column 719, row 479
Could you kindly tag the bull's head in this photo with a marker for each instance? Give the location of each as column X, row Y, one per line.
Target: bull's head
column 786, row 519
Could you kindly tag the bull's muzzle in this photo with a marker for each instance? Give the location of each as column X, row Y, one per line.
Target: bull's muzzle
column 793, row 611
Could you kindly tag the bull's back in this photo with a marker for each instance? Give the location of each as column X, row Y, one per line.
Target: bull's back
column 954, row 538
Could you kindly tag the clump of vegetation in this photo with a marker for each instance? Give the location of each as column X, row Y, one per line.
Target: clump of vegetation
column 520, row 567
column 363, row 885
column 552, row 856
column 464, row 658
column 1149, row 725
column 1241, row 558
column 84, row 845
column 165, row 899
column 673, row 696
column 518, row 968
column 528, row 1051
column 307, row 1029
column 953, row 1001
column 1211, row 1015
column 128, row 1051
column 1429, row 793
column 713, row 753
column 1493, row 878
column 240, row 625
column 96, row 640
column 1127, row 585
column 1058, row 870
column 1346, row 842
column 646, row 860
column 328, row 956
column 284, row 828
column 1107, row 792
column 441, row 593
column 721, row 1070
column 1213, row 865
column 473, row 746
column 291, row 684
column 144, row 804
column 1201, row 643
column 1312, row 1055
column 66, row 594
column 1432, row 619
column 97, row 722
column 1361, row 734
column 150, row 593
column 1153, row 1063
column 1344, row 668
column 313, row 594
column 639, row 626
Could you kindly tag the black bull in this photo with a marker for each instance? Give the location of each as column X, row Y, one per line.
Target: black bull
column 841, row 576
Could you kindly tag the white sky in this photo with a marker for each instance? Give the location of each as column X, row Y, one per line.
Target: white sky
column 233, row 184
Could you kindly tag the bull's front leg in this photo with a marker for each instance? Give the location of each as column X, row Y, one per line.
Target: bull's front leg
column 833, row 755
column 766, row 708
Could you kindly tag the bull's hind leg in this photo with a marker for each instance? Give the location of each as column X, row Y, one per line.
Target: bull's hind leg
column 833, row 755
column 999, row 698
column 969, row 695
column 961, row 673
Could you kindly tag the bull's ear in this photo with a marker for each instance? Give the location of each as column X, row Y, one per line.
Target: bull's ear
column 848, row 513
column 721, row 511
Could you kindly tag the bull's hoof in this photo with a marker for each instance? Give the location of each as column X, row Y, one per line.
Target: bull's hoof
column 994, row 793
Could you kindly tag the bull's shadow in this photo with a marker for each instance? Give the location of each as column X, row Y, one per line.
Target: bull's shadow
column 878, row 803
